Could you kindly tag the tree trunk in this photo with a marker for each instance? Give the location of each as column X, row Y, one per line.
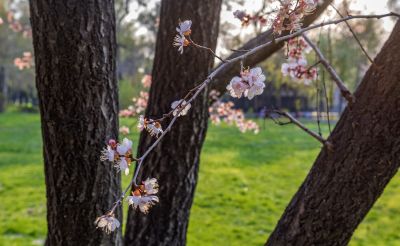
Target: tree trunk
column 343, row 185
column 74, row 44
column 175, row 161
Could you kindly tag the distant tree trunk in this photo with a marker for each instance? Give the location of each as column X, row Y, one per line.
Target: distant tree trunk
column 175, row 161
column 343, row 185
column 3, row 96
column 74, row 44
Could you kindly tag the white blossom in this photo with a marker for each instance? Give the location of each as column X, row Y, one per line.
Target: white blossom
column 254, row 75
column 107, row 223
column 256, row 89
column 251, row 83
column 182, row 105
column 180, row 41
column 125, row 147
column 122, row 165
column 144, row 203
column 236, row 87
column 107, row 154
column 184, row 28
column 150, row 186
column 154, row 129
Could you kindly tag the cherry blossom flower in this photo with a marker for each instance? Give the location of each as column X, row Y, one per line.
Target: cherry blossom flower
column 1, row 21
column 182, row 106
column 107, row 223
column 180, row 41
column 184, row 28
column 152, row 127
column 251, row 83
column 150, row 186
column 119, row 154
column 236, row 87
column 143, row 197
column 124, row 130
column 107, row 154
column 124, row 150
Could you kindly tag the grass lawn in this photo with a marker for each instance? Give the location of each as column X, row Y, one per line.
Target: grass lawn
column 246, row 181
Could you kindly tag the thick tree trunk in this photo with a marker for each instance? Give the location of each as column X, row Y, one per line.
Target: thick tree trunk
column 343, row 185
column 74, row 44
column 175, row 161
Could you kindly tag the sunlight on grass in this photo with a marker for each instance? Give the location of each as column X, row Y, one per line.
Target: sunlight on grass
column 245, row 183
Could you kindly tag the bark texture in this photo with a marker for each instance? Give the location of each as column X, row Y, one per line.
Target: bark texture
column 343, row 185
column 175, row 161
column 74, row 44
column 231, row 70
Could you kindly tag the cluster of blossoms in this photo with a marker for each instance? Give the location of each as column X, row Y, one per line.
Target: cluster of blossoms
column 290, row 15
column 225, row 111
column 143, row 197
column 296, row 67
column 250, row 83
column 120, row 154
column 181, row 39
column 26, row 61
column 247, row 18
column 139, row 103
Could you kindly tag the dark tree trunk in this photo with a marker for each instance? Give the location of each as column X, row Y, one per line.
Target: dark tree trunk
column 343, row 185
column 175, row 161
column 74, row 44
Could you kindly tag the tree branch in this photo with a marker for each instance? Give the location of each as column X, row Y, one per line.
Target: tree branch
column 302, row 127
column 229, row 71
column 339, row 82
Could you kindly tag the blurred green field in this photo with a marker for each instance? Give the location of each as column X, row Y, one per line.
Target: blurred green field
column 246, row 181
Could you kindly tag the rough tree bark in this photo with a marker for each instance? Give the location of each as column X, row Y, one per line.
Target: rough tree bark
column 231, row 70
column 74, row 44
column 175, row 161
column 343, row 185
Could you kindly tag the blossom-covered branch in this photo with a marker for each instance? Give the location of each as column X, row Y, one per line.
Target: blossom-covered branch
column 250, row 83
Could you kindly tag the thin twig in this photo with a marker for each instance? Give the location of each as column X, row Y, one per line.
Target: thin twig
column 339, row 82
column 354, row 35
column 304, row 128
column 206, row 48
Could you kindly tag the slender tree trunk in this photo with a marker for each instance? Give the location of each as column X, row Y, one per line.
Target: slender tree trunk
column 175, row 161
column 74, row 44
column 343, row 185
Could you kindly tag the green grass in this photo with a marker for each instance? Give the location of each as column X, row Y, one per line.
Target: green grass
column 245, row 182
